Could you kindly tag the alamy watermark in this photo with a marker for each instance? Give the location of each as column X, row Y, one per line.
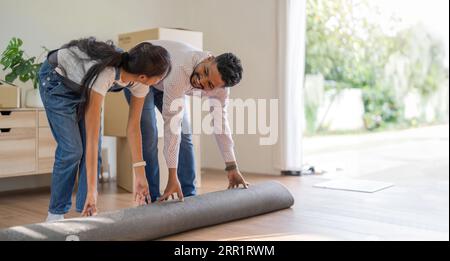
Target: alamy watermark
column 72, row 238
column 233, row 116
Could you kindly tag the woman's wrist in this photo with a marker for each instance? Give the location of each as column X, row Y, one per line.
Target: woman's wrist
column 139, row 168
column 92, row 191
column 140, row 171
column 139, row 164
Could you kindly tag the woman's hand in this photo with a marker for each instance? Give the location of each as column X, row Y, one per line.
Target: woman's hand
column 235, row 179
column 173, row 187
column 90, row 206
column 141, row 190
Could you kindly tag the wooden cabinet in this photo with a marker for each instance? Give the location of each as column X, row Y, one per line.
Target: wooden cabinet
column 46, row 145
column 17, row 119
column 17, row 152
column 27, row 146
column 46, row 150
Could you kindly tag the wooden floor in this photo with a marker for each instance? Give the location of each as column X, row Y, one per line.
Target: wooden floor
column 393, row 214
column 416, row 208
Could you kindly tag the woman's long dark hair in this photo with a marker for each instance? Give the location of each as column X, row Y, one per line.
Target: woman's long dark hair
column 143, row 59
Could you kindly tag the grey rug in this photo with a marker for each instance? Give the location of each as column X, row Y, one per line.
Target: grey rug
column 161, row 219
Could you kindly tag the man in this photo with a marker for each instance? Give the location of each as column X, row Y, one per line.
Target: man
column 192, row 70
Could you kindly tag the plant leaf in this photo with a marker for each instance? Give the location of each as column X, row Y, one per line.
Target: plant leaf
column 24, row 77
column 11, row 77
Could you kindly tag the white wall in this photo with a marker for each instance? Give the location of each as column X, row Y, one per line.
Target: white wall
column 245, row 27
column 249, row 29
column 51, row 23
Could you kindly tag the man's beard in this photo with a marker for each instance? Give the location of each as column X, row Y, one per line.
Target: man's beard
column 193, row 80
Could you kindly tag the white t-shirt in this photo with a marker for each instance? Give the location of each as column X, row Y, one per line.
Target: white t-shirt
column 74, row 64
column 106, row 79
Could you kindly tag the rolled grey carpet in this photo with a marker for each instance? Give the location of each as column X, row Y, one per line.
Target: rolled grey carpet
column 161, row 219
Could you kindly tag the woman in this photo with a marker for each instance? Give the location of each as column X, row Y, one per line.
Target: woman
column 73, row 82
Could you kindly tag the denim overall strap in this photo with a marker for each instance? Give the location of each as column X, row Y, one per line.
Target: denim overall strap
column 116, row 87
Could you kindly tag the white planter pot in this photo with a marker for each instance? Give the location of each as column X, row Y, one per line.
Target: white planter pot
column 33, row 99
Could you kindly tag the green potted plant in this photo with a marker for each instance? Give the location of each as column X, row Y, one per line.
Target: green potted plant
column 24, row 68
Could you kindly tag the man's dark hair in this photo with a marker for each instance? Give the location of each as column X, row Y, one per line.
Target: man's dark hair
column 230, row 68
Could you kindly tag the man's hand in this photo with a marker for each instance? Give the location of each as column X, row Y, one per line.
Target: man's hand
column 141, row 190
column 173, row 186
column 90, row 206
column 235, row 179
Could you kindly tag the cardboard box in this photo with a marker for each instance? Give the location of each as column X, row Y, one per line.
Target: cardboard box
column 129, row 40
column 9, row 95
column 125, row 177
